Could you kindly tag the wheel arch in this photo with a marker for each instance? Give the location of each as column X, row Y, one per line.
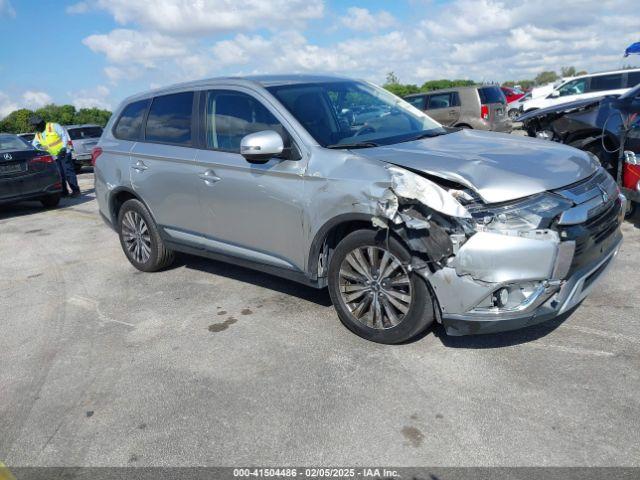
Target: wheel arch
column 330, row 235
column 117, row 198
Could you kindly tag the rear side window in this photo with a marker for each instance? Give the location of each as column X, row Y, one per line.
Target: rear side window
column 129, row 126
column 606, row 82
column 491, row 95
column 231, row 115
column 169, row 119
column 84, row 132
column 418, row 102
column 633, row 79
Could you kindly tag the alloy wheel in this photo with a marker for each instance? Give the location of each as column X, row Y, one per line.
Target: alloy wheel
column 135, row 234
column 375, row 286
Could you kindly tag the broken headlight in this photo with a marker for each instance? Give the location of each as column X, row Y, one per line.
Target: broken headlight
column 532, row 213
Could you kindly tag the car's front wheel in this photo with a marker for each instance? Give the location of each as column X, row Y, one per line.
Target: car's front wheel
column 373, row 290
column 140, row 239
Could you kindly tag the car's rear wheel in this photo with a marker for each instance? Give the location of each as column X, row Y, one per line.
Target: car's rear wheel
column 50, row 201
column 374, row 292
column 140, row 239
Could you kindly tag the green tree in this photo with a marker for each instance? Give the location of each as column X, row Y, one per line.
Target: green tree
column 568, row 71
column 92, row 115
column 545, row 77
column 445, row 83
column 16, row 122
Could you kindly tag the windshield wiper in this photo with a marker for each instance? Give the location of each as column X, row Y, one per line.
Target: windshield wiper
column 428, row 134
column 353, row 145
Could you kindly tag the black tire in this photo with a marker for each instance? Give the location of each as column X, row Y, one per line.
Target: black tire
column 514, row 113
column 631, row 209
column 160, row 256
column 420, row 314
column 50, row 201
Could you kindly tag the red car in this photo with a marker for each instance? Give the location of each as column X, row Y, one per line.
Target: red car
column 512, row 94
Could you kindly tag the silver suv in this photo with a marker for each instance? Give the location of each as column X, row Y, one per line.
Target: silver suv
column 335, row 182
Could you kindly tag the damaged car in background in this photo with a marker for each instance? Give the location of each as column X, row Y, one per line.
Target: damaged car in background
column 405, row 221
column 608, row 127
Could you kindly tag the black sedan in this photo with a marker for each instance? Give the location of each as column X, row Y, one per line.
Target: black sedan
column 27, row 173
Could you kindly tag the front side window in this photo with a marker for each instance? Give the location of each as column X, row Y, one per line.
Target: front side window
column 169, row 119
column 574, row 87
column 231, row 115
column 129, row 125
column 349, row 112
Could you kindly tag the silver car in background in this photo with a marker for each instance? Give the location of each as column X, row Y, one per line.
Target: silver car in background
column 337, row 183
column 83, row 139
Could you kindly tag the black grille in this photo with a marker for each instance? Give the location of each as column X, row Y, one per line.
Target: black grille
column 595, row 236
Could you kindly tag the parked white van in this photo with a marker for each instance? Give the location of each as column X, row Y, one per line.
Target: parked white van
column 587, row 86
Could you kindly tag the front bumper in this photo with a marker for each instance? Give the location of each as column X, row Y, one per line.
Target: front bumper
column 569, row 294
column 549, row 276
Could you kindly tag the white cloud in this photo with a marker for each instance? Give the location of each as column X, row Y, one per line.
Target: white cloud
column 6, row 105
column 96, row 97
column 131, row 46
column 78, row 8
column 211, row 16
column 6, row 9
column 33, row 99
column 478, row 39
column 361, row 19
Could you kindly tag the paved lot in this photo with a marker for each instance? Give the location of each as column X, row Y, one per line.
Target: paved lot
column 209, row 364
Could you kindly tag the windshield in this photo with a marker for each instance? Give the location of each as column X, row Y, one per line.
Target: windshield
column 13, row 142
column 350, row 113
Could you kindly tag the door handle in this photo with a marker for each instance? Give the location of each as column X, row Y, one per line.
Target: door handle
column 139, row 166
column 209, row 177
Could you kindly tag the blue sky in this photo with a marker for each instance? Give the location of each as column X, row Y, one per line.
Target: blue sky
column 96, row 52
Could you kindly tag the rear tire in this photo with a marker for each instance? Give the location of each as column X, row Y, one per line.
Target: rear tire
column 140, row 238
column 385, row 324
column 631, row 209
column 50, row 201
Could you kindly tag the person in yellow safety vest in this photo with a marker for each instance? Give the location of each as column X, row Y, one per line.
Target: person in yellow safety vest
column 54, row 139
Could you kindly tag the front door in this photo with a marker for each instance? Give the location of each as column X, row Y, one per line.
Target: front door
column 253, row 211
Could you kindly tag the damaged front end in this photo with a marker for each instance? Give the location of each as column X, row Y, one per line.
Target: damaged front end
column 491, row 267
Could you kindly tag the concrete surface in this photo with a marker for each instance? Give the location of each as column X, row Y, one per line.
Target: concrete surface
column 210, row 364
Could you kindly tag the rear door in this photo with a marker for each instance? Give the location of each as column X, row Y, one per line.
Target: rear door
column 162, row 164
column 84, row 139
column 444, row 107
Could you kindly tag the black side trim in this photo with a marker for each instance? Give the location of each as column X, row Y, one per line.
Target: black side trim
column 295, row 275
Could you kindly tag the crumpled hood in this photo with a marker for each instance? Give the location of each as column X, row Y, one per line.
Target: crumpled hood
column 499, row 167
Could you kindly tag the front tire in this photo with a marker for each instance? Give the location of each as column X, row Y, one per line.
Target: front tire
column 140, row 239
column 631, row 209
column 373, row 291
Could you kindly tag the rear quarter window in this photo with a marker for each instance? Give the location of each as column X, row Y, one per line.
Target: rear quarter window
column 491, row 95
column 84, row 132
column 129, row 125
column 606, row 82
column 169, row 119
column 633, row 79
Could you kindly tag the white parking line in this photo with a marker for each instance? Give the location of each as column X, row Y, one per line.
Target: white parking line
column 577, row 351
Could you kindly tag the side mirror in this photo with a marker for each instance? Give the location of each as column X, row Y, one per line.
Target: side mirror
column 630, row 158
column 260, row 147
